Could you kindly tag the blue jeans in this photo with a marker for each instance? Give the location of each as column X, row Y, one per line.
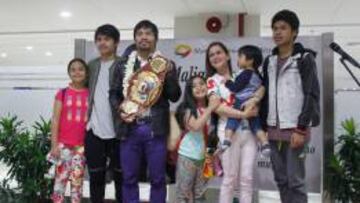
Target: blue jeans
column 233, row 123
column 289, row 172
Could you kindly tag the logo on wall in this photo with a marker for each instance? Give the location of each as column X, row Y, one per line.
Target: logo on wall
column 183, row 50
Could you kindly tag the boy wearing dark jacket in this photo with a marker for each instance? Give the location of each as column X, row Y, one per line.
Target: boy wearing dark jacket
column 290, row 106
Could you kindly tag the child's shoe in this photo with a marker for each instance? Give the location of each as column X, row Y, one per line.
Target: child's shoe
column 51, row 172
column 225, row 145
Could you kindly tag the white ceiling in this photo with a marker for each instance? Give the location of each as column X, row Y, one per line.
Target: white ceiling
column 43, row 15
column 37, row 23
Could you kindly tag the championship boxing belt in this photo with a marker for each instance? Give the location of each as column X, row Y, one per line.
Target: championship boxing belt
column 145, row 86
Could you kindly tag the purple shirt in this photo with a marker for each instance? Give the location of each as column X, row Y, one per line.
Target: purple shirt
column 275, row 133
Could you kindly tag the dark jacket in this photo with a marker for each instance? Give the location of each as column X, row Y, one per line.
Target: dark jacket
column 159, row 112
column 295, row 92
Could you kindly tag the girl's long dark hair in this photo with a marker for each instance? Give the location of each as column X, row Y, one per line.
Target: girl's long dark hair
column 188, row 103
column 210, row 70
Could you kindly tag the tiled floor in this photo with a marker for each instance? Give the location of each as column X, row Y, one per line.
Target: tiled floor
column 212, row 194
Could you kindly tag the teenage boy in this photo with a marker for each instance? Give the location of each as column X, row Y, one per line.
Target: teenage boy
column 290, row 106
column 101, row 145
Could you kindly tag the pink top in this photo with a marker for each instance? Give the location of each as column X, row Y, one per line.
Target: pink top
column 73, row 115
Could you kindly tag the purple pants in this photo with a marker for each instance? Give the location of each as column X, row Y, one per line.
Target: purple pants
column 142, row 142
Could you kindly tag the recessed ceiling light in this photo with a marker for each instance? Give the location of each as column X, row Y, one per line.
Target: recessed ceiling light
column 354, row 43
column 65, row 14
column 48, row 53
column 3, row 55
column 29, row 48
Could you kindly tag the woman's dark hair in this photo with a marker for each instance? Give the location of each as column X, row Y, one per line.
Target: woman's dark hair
column 147, row 24
column 188, row 103
column 210, row 70
column 252, row 52
column 83, row 63
column 287, row 16
column 109, row 31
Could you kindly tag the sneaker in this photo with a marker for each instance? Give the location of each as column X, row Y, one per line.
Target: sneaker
column 225, row 145
column 265, row 150
column 51, row 173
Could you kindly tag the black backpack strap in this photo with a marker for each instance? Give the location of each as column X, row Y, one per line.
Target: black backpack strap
column 63, row 92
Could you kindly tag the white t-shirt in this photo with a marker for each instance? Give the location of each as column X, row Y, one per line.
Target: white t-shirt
column 101, row 121
column 216, row 85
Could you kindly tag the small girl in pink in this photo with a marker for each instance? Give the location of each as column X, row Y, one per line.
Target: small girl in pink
column 68, row 133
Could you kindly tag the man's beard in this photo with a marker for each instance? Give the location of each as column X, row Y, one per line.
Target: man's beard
column 144, row 49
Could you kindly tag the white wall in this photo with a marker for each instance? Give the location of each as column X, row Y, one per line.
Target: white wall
column 28, row 91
